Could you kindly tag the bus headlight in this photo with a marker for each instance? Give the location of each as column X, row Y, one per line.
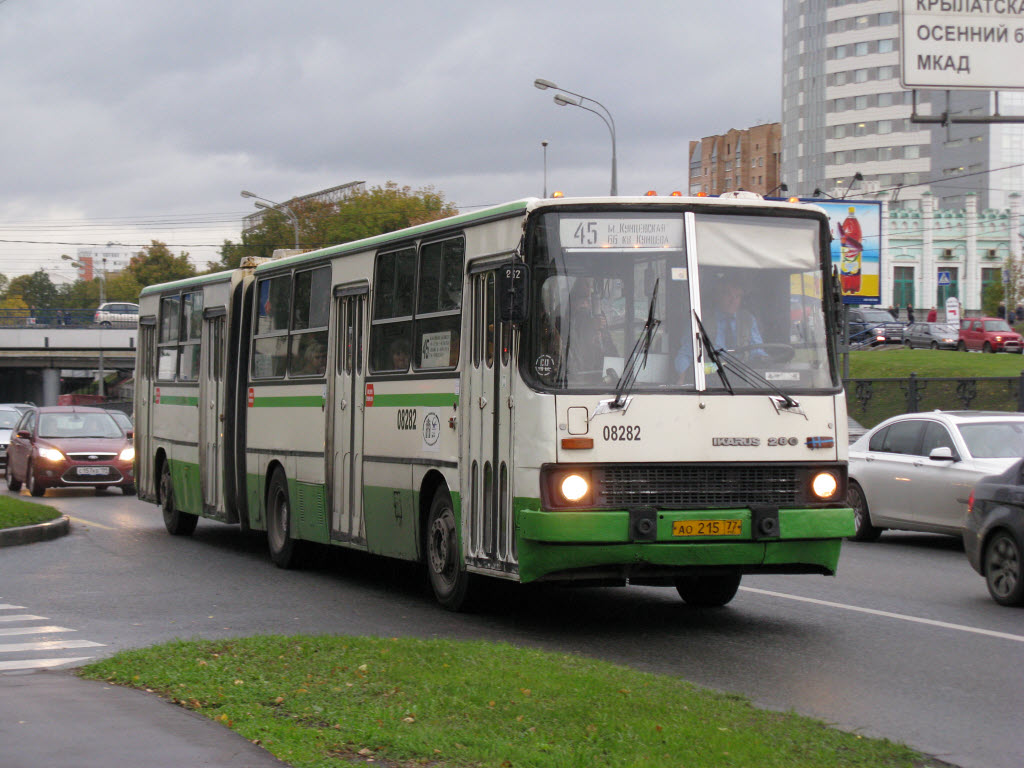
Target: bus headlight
column 128, row 454
column 824, row 485
column 51, row 454
column 574, row 487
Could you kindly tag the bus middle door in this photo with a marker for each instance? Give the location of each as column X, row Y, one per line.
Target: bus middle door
column 345, row 424
column 211, row 414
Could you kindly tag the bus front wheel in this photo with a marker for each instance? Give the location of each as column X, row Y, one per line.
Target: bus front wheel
column 176, row 522
column 450, row 581
column 709, row 590
column 279, row 534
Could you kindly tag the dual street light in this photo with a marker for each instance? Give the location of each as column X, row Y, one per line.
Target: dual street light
column 86, row 267
column 270, row 205
column 566, row 98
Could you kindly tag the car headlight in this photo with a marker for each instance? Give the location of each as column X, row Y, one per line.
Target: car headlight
column 51, row 454
column 128, row 454
column 824, row 485
column 574, row 487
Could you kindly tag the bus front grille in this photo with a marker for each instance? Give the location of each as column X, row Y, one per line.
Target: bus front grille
column 699, row 486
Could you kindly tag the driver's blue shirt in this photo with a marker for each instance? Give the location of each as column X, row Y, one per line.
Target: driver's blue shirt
column 730, row 331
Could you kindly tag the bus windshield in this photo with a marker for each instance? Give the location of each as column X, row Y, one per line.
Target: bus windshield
column 755, row 282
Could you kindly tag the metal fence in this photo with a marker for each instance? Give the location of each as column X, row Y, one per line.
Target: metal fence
column 871, row 401
column 60, row 318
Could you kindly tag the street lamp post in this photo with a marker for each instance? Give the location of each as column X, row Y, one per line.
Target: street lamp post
column 544, row 144
column 103, row 274
column 277, row 206
column 565, row 101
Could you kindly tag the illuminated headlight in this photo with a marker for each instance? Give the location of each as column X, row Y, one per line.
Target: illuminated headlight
column 51, row 454
column 824, row 485
column 574, row 487
column 999, row 338
column 128, row 454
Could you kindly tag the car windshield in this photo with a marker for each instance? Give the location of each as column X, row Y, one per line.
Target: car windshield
column 945, row 330
column 78, row 425
column 598, row 275
column 876, row 316
column 994, row 439
column 8, row 419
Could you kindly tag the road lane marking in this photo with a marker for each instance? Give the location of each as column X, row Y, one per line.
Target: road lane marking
column 22, row 617
column 6, row 607
column 888, row 614
column 9, row 666
column 50, row 630
column 90, row 522
column 47, row 645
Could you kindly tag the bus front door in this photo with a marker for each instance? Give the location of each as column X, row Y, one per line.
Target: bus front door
column 144, row 369
column 211, row 416
column 345, row 421
column 488, row 526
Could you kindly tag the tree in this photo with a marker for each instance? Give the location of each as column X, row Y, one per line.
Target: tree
column 36, row 290
column 156, row 264
column 364, row 214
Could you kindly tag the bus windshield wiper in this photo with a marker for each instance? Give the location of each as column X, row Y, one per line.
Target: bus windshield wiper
column 755, row 378
column 705, row 342
column 638, row 357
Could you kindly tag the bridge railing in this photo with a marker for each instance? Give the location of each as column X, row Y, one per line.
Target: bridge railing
column 61, row 318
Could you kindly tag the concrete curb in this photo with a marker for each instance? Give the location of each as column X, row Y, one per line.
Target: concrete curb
column 29, row 534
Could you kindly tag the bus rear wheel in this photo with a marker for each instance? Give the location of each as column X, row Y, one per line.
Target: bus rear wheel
column 708, row 590
column 449, row 580
column 176, row 522
column 283, row 551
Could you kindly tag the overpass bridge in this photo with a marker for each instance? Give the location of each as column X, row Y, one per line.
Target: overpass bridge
column 40, row 362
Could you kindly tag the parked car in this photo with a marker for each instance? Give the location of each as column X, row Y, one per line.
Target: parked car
column 9, row 417
column 117, row 313
column 994, row 534
column 872, row 325
column 988, row 334
column 931, row 336
column 69, row 445
column 915, row 471
column 20, row 407
column 124, row 421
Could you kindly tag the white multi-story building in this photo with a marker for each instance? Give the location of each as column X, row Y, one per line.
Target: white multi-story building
column 103, row 259
column 845, row 113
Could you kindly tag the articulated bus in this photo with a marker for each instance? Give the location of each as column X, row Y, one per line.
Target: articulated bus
column 634, row 390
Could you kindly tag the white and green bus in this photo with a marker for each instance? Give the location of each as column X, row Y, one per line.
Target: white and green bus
column 596, row 390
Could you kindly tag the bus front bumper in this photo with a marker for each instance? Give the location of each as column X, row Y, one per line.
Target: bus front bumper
column 571, row 544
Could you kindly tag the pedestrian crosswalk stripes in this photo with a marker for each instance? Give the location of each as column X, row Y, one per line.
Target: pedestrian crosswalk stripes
column 39, row 653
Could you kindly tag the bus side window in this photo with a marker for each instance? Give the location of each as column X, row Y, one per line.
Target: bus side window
column 489, row 320
column 439, row 305
column 391, row 328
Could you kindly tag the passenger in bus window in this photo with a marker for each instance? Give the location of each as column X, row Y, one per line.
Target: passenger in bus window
column 585, row 332
column 400, row 355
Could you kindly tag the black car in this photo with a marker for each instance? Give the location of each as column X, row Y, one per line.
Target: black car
column 994, row 533
column 872, row 325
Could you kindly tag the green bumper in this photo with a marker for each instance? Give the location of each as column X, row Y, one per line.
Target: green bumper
column 808, row 540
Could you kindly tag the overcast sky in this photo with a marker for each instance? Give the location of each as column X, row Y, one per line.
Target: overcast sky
column 129, row 121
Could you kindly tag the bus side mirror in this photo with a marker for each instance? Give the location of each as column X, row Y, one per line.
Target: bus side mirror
column 513, row 292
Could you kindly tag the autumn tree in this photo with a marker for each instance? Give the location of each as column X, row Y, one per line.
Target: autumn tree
column 155, row 264
column 35, row 290
column 364, row 214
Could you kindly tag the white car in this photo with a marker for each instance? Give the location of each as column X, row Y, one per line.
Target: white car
column 9, row 417
column 117, row 313
column 915, row 472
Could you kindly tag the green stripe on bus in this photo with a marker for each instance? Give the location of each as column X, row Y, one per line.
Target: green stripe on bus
column 295, row 401
column 178, row 400
column 412, row 400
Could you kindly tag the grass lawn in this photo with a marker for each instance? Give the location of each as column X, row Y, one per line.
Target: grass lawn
column 15, row 512
column 332, row 700
column 895, row 362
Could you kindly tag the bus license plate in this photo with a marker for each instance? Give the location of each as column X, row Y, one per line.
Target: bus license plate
column 707, row 527
column 93, row 470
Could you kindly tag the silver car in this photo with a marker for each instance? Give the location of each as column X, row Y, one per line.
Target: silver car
column 915, row 472
column 9, row 417
column 931, row 336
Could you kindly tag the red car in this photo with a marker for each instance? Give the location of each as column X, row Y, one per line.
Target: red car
column 70, row 445
column 988, row 334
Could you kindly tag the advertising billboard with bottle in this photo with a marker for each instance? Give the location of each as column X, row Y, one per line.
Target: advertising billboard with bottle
column 856, row 247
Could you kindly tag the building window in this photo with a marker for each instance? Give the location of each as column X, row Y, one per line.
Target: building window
column 903, row 286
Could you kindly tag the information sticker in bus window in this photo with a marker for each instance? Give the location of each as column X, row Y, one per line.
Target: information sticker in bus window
column 638, row 233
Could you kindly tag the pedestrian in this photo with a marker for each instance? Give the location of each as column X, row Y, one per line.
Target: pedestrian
column 910, row 312
column 894, row 312
column 932, row 314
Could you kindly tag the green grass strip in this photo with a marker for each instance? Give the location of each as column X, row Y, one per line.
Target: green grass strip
column 15, row 512
column 898, row 362
column 328, row 700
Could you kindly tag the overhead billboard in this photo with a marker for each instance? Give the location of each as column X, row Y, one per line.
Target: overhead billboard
column 962, row 44
column 856, row 227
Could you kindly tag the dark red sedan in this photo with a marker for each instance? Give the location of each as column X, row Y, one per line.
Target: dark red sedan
column 64, row 446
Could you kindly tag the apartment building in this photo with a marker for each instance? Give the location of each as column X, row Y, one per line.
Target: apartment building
column 739, row 159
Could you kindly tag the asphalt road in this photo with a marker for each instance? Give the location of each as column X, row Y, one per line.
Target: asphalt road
column 904, row 643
